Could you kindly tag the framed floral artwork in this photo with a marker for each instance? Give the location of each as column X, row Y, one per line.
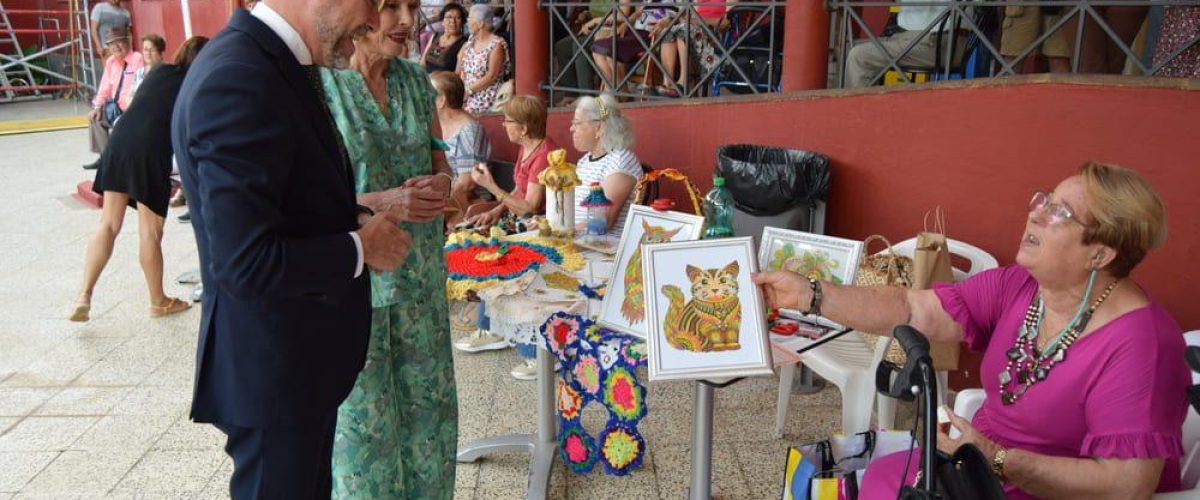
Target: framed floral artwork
column 826, row 258
column 705, row 317
column 624, row 306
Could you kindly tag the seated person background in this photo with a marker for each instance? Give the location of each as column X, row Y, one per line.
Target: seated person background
column 441, row 54
column 619, row 33
column 866, row 60
column 606, row 138
column 525, row 126
column 683, row 39
column 483, row 61
column 1023, row 25
column 464, row 135
column 116, row 85
column 582, row 22
column 1105, row 419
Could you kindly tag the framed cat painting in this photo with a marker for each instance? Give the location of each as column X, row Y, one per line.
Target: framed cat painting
column 704, row 315
column 624, row 307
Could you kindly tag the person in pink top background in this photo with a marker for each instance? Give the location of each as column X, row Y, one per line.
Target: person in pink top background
column 116, row 85
column 1084, row 372
column 525, row 126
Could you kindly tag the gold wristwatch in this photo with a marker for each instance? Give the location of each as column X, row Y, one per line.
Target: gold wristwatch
column 998, row 463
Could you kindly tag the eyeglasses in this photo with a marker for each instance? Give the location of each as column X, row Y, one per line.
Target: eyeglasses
column 1056, row 213
column 576, row 123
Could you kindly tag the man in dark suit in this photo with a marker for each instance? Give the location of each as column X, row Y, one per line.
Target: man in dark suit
column 283, row 246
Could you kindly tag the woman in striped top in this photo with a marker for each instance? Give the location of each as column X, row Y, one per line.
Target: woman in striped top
column 606, row 138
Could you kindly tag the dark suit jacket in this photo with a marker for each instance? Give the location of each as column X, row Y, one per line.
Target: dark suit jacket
column 285, row 323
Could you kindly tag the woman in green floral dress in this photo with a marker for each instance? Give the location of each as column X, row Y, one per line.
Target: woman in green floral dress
column 398, row 430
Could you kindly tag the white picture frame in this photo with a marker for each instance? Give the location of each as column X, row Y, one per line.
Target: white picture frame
column 835, row 259
column 720, row 350
column 615, row 314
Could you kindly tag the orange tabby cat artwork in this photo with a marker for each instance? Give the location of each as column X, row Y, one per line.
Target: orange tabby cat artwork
column 633, row 308
column 712, row 319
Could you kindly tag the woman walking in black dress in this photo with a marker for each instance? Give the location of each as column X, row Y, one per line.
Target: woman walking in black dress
column 134, row 171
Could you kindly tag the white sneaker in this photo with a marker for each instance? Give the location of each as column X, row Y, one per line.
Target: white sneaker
column 526, row 370
column 480, row 340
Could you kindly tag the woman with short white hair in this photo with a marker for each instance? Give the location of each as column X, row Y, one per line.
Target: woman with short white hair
column 482, row 62
column 606, row 138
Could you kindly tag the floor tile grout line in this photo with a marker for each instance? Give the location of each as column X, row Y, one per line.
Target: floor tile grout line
column 40, row 470
column 149, row 449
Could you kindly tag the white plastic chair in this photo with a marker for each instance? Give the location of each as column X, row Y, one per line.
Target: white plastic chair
column 980, row 261
column 846, row 362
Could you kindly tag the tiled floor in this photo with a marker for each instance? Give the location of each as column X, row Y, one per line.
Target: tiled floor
column 99, row 409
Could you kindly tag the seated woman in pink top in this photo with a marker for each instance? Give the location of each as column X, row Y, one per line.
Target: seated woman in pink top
column 525, row 125
column 1083, row 370
column 116, row 84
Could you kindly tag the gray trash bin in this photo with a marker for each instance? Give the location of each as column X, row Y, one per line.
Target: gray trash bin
column 775, row 187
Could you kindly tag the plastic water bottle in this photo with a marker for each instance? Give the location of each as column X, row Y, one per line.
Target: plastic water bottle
column 718, row 210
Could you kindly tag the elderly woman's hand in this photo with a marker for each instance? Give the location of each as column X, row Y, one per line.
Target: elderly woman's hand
column 968, row 435
column 783, row 289
column 482, row 175
column 413, row 204
column 438, row 183
column 487, row 218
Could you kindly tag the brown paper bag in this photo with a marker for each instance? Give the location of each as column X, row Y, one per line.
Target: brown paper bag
column 931, row 264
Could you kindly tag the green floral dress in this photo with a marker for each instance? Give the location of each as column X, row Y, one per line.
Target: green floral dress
column 398, row 430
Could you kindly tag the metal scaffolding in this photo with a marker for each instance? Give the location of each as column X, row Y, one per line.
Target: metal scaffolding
column 18, row 68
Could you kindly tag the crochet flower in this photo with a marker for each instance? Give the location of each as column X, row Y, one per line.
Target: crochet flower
column 570, row 402
column 577, row 448
column 621, row 450
column 561, row 332
column 634, row 353
column 624, row 397
column 587, row 375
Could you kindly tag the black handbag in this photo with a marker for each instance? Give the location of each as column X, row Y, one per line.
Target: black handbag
column 110, row 111
column 968, row 475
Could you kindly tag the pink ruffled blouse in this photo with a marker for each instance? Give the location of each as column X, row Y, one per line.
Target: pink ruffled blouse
column 1120, row 393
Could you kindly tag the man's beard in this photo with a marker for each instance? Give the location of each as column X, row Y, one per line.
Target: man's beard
column 330, row 38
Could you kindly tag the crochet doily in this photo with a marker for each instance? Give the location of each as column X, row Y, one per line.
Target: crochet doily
column 476, row 262
column 597, row 366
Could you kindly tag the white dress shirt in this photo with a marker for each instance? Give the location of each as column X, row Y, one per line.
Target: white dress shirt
column 292, row 39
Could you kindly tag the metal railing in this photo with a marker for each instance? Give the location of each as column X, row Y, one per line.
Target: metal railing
column 979, row 21
column 741, row 52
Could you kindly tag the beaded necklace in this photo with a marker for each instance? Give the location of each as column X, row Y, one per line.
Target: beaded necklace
column 1026, row 366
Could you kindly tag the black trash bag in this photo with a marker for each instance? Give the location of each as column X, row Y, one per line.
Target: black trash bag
column 767, row 181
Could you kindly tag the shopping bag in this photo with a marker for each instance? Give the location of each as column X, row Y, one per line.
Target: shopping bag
column 797, row 475
column 931, row 264
column 828, row 469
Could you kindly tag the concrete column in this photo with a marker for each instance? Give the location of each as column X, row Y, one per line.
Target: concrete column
column 805, row 45
column 532, row 49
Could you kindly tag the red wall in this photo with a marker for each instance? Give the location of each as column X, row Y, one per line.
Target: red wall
column 977, row 150
column 165, row 17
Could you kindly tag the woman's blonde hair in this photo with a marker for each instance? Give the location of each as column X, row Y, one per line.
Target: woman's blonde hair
column 1128, row 215
column 617, row 132
column 528, row 111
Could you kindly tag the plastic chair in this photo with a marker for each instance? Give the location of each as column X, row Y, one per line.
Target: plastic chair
column 980, row 261
column 1190, row 465
column 847, row 362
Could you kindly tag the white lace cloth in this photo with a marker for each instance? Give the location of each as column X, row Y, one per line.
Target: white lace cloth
column 517, row 309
